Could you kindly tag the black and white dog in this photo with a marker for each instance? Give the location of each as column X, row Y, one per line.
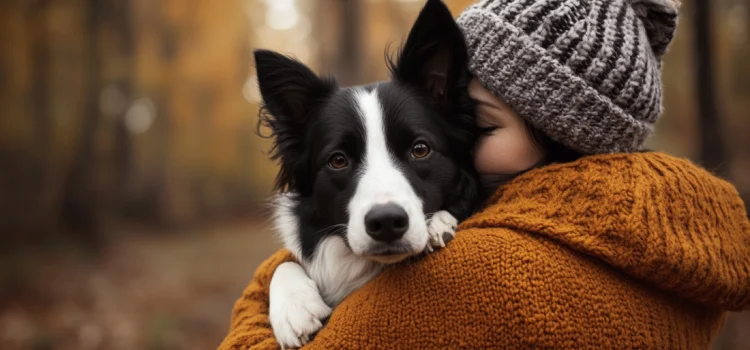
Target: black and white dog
column 369, row 175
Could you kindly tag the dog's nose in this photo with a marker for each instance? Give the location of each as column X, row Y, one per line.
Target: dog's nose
column 387, row 222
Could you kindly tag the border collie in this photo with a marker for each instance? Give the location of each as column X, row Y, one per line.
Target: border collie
column 369, row 175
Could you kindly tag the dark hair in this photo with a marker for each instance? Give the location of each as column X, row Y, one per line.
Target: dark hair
column 555, row 152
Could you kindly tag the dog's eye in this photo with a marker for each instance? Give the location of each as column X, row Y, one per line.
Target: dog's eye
column 338, row 161
column 420, row 150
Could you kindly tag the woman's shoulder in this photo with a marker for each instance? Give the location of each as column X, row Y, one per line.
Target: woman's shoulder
column 494, row 286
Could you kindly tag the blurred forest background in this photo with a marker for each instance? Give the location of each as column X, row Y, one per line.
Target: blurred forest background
column 131, row 178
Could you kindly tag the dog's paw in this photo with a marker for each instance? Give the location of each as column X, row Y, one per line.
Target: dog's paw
column 441, row 228
column 296, row 309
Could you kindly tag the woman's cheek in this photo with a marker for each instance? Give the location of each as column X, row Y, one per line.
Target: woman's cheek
column 504, row 152
column 488, row 155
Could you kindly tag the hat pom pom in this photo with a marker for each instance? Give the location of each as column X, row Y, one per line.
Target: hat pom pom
column 659, row 18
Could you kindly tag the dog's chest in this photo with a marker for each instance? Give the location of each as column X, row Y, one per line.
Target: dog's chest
column 337, row 271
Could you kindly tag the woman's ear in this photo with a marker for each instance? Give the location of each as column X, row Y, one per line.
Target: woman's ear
column 659, row 18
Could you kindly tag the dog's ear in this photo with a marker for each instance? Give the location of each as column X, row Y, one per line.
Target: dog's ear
column 434, row 56
column 289, row 89
column 290, row 92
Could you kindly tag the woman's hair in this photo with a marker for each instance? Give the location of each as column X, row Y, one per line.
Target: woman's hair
column 555, row 152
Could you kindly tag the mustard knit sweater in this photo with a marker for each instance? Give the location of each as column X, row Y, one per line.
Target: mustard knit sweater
column 614, row 251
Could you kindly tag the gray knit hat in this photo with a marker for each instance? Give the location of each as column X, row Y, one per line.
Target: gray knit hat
column 585, row 72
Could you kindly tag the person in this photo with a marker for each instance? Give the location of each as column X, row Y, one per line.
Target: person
column 587, row 241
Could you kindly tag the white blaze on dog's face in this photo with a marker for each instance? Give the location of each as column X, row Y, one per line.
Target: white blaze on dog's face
column 382, row 184
column 368, row 163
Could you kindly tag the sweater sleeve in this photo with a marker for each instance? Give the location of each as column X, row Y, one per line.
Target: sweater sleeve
column 249, row 327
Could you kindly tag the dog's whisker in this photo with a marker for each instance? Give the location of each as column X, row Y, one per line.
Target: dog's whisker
column 334, row 229
column 339, row 231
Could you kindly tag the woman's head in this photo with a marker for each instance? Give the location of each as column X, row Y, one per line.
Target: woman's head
column 584, row 73
column 508, row 144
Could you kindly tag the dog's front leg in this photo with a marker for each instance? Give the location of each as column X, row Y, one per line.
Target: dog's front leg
column 296, row 307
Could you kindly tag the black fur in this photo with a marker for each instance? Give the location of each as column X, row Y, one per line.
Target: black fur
column 291, row 93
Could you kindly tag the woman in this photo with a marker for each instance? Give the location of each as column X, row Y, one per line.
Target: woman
column 586, row 242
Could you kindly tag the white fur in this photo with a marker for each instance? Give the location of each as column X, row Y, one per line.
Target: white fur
column 441, row 222
column 381, row 181
column 338, row 271
column 285, row 222
column 295, row 306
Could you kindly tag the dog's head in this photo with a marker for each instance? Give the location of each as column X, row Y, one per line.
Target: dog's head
column 369, row 163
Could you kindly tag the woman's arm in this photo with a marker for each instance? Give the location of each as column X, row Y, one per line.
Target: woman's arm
column 249, row 327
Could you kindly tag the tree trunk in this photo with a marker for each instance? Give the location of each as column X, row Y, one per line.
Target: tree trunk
column 40, row 178
column 712, row 154
column 39, row 98
column 123, row 152
column 350, row 58
column 80, row 207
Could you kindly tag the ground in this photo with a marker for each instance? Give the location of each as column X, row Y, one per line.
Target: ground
column 149, row 290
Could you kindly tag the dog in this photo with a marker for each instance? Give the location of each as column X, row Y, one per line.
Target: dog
column 369, row 175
